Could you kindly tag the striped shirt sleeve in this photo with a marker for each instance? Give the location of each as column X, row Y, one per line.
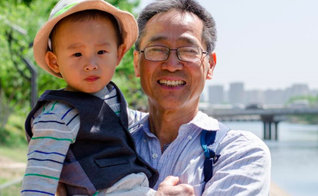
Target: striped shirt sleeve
column 53, row 132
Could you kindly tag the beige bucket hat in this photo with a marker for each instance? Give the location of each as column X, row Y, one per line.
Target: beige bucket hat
column 127, row 24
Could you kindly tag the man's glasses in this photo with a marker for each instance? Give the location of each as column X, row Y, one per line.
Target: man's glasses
column 161, row 53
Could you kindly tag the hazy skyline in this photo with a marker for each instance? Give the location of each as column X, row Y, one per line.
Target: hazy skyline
column 265, row 44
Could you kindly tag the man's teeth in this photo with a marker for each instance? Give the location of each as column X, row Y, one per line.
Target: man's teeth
column 171, row 83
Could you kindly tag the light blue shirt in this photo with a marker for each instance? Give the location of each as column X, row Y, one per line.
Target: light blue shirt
column 243, row 168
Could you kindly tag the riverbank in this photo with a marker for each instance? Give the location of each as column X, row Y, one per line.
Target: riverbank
column 277, row 191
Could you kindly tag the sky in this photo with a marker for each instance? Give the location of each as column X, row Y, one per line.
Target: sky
column 270, row 44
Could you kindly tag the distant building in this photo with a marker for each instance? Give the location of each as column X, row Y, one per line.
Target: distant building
column 236, row 93
column 216, row 94
column 314, row 92
column 275, row 97
column 299, row 90
column 254, row 96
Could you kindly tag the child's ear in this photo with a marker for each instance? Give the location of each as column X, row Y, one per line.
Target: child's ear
column 51, row 61
column 120, row 52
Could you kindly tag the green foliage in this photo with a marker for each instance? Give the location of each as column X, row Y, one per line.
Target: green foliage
column 12, row 135
column 30, row 15
column 312, row 100
column 308, row 119
column 16, row 2
column 19, row 21
column 125, row 75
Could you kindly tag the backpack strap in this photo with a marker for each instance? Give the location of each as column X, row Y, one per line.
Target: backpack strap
column 208, row 138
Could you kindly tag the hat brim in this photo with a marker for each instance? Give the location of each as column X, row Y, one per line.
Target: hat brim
column 127, row 22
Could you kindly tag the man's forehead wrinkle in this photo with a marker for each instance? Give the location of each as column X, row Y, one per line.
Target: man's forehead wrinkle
column 182, row 24
column 174, row 17
column 181, row 39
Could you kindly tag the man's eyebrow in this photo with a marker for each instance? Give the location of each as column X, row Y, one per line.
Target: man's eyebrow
column 188, row 40
column 158, row 38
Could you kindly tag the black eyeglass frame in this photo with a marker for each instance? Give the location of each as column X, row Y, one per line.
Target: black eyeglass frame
column 177, row 51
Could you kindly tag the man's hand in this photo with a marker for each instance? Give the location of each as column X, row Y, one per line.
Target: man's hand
column 169, row 187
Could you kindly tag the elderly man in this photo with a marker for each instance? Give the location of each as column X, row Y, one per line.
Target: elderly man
column 173, row 58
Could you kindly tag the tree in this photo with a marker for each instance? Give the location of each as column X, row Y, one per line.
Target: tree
column 312, row 101
column 19, row 21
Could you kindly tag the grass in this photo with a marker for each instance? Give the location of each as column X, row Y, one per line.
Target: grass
column 13, row 190
column 11, row 168
column 13, row 150
column 14, row 154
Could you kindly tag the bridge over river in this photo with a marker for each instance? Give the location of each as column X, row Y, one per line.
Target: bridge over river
column 269, row 117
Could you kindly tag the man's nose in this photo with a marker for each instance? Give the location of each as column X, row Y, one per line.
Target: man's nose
column 172, row 63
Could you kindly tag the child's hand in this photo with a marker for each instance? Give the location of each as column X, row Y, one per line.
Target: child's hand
column 61, row 191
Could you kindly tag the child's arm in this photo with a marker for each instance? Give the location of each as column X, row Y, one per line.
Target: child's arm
column 47, row 150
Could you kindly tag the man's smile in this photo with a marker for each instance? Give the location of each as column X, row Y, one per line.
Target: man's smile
column 172, row 83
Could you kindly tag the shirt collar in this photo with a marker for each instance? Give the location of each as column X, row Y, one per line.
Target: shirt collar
column 102, row 93
column 105, row 92
column 145, row 126
column 201, row 120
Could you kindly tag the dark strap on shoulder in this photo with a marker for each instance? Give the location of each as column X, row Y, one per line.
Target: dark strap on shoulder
column 207, row 139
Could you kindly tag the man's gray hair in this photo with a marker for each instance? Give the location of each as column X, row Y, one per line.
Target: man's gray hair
column 160, row 6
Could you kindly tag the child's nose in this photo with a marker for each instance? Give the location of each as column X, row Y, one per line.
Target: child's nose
column 91, row 65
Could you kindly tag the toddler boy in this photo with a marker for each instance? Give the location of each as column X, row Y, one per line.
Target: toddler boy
column 78, row 135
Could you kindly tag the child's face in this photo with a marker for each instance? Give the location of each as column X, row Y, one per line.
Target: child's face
column 85, row 54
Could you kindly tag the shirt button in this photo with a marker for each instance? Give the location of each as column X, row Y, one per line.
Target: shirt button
column 154, row 155
column 144, row 141
column 189, row 137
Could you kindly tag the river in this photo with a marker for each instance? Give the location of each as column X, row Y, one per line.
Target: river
column 294, row 156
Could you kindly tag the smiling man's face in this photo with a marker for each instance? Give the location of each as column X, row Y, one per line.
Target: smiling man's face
column 171, row 84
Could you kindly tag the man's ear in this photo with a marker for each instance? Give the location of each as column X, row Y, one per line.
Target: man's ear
column 51, row 61
column 120, row 53
column 212, row 63
column 136, row 63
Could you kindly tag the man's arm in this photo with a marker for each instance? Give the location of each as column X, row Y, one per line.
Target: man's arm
column 243, row 168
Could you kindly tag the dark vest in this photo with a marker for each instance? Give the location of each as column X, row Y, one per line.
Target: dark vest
column 104, row 151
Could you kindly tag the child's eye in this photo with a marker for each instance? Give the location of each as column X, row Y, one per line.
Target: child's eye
column 78, row 54
column 101, row 52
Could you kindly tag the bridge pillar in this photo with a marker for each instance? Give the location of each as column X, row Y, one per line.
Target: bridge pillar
column 267, row 121
column 267, row 131
column 270, row 130
column 264, row 130
column 276, row 130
